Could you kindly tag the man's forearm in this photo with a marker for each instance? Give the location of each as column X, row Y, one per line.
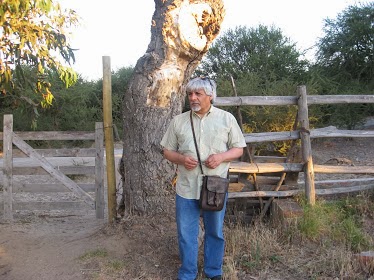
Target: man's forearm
column 188, row 162
column 232, row 154
column 174, row 157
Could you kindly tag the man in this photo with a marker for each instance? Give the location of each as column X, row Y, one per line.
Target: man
column 219, row 140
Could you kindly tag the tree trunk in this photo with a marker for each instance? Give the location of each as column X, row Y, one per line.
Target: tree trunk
column 181, row 34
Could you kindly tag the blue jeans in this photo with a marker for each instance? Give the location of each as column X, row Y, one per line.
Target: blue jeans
column 188, row 218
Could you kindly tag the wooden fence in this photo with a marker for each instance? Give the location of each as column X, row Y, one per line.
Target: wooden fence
column 45, row 158
column 56, row 163
column 305, row 134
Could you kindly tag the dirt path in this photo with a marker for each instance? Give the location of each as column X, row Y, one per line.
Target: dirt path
column 47, row 247
column 80, row 247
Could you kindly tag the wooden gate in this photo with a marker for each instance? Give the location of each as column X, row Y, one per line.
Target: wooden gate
column 49, row 161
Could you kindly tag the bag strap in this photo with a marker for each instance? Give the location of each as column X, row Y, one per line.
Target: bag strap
column 194, row 139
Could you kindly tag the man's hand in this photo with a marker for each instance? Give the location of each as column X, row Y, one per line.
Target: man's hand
column 187, row 161
column 213, row 161
column 190, row 163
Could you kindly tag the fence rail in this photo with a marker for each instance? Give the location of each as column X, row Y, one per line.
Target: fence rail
column 292, row 100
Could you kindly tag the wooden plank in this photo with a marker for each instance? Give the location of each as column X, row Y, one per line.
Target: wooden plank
column 70, row 184
column 332, row 131
column 264, row 194
column 55, row 161
column 48, row 188
column 289, row 193
column 99, row 171
column 345, row 190
column 327, row 132
column 330, row 169
column 270, row 136
column 67, row 170
column 8, row 167
column 340, row 99
column 245, row 167
column 49, row 205
column 292, row 100
column 345, row 182
column 56, row 135
column 255, row 100
column 273, row 159
column 71, row 152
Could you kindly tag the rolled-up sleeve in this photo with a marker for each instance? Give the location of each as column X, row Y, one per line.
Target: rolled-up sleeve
column 169, row 140
column 236, row 138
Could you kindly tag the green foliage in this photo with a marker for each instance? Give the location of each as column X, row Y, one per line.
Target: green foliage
column 76, row 108
column 120, row 80
column 345, row 65
column 33, row 33
column 266, row 118
column 346, row 51
column 263, row 52
column 337, row 221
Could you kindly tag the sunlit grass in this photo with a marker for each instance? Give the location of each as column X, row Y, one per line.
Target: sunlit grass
column 115, row 265
column 336, row 221
column 102, row 253
column 103, row 264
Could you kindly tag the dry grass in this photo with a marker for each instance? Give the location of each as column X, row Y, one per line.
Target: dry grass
column 309, row 249
column 322, row 245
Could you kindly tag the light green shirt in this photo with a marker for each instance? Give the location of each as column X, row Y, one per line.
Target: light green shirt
column 216, row 132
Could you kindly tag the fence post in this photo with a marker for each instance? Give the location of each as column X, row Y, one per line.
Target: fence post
column 99, row 170
column 109, row 146
column 306, row 146
column 8, row 167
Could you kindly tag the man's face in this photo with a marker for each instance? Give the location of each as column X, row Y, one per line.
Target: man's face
column 199, row 101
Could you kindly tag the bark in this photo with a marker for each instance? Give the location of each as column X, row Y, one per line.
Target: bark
column 181, row 33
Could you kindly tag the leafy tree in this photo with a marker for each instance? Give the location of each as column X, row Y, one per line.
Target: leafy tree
column 119, row 80
column 345, row 64
column 33, row 33
column 346, row 51
column 75, row 108
column 263, row 52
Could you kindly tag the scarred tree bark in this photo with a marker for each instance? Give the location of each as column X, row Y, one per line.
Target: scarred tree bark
column 181, row 33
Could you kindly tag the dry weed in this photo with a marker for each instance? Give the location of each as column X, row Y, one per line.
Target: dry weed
column 259, row 251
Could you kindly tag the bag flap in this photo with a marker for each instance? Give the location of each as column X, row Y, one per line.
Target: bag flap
column 217, row 184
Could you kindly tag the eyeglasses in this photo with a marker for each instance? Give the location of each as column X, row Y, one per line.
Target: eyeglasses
column 207, row 78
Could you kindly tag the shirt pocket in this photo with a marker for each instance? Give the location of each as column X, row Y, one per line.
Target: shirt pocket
column 186, row 143
column 218, row 139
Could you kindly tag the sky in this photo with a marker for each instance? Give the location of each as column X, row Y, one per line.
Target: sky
column 120, row 29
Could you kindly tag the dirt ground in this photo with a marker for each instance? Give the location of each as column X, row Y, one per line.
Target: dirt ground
column 65, row 246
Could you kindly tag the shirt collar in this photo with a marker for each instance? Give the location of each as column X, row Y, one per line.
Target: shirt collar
column 211, row 109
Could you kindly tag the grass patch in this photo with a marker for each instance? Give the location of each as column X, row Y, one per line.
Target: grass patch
column 98, row 253
column 337, row 221
column 99, row 262
column 321, row 245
